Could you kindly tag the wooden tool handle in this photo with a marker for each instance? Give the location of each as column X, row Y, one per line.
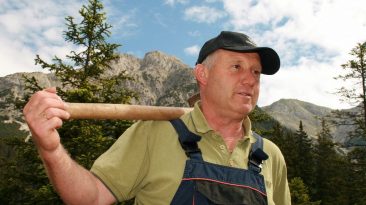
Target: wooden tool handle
column 123, row 111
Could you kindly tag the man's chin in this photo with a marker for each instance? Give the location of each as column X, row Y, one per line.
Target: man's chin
column 245, row 110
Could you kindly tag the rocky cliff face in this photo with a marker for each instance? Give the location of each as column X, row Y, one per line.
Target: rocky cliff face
column 160, row 79
column 14, row 83
column 12, row 86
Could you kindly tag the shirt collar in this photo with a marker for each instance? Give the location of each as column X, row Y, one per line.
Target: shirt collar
column 201, row 125
column 199, row 120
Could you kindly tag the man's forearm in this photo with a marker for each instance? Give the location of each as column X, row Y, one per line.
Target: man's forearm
column 75, row 184
column 44, row 114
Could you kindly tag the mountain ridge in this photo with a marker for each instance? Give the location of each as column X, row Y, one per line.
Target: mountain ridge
column 289, row 113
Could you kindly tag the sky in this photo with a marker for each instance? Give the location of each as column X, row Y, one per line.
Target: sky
column 313, row 38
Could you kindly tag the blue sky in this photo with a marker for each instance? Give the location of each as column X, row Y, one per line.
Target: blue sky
column 313, row 37
column 173, row 27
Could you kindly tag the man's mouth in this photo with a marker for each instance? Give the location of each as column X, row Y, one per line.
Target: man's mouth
column 245, row 94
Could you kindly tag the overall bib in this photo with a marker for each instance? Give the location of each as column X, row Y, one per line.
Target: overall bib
column 205, row 183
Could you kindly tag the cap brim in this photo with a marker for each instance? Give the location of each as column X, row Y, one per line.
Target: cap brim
column 269, row 58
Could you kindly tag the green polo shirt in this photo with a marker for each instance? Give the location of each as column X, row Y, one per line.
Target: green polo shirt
column 147, row 161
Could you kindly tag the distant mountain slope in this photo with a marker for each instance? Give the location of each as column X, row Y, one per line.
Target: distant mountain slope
column 289, row 112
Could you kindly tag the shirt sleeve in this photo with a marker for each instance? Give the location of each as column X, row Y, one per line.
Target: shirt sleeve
column 122, row 168
column 281, row 191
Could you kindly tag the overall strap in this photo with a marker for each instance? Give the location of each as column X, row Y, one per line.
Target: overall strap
column 187, row 139
column 257, row 155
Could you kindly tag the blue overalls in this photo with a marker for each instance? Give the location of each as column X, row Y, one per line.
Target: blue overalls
column 205, row 183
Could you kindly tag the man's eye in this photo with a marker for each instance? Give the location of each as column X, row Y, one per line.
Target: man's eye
column 236, row 67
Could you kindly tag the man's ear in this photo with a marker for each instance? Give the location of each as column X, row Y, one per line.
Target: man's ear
column 201, row 73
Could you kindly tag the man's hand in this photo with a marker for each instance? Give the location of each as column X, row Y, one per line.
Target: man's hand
column 44, row 114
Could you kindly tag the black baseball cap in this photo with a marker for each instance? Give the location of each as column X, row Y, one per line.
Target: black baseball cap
column 239, row 42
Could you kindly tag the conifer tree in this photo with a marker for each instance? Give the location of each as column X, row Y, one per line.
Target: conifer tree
column 260, row 121
column 286, row 141
column 300, row 193
column 331, row 170
column 304, row 167
column 357, row 176
column 278, row 135
column 355, row 95
column 84, row 79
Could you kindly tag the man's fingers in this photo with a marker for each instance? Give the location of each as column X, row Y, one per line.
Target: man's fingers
column 36, row 99
column 50, row 103
column 44, row 109
column 55, row 112
column 53, row 123
column 51, row 89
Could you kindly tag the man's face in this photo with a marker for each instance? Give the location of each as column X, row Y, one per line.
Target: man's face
column 232, row 82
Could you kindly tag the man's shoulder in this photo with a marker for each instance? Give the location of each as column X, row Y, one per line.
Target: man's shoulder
column 151, row 129
column 272, row 150
column 150, row 124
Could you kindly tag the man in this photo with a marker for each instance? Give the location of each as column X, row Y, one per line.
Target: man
column 208, row 156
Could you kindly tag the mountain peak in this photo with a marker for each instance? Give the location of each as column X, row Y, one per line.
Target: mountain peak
column 293, row 106
column 289, row 112
column 163, row 60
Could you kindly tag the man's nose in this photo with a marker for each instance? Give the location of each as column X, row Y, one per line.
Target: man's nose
column 248, row 77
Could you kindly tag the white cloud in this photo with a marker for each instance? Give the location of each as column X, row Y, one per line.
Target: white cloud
column 203, row 14
column 212, row 1
column 194, row 33
column 159, row 19
column 173, row 2
column 192, row 50
column 34, row 27
column 53, row 34
column 124, row 23
column 15, row 57
column 332, row 25
column 311, row 81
